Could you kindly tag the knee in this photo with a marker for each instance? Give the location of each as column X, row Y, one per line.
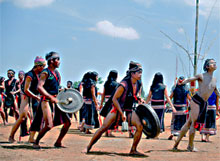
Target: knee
column 139, row 127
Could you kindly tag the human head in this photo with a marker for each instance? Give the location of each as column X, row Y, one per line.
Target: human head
column 181, row 79
column 206, row 64
column 39, row 61
column 113, row 74
column 158, row 78
column 52, row 57
column 135, row 70
column 11, row 73
column 69, row 84
column 2, row 79
column 94, row 76
column 21, row 74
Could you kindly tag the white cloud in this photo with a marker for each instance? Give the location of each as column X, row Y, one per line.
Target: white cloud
column 32, row 3
column 180, row 30
column 74, row 38
column 167, row 45
column 205, row 7
column 146, row 3
column 1, row 1
column 107, row 28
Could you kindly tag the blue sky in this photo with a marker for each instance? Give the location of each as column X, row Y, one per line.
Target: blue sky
column 101, row 35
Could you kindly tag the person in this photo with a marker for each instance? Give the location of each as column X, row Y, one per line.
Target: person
column 125, row 96
column 156, row 95
column 9, row 101
column 2, row 87
column 48, row 86
column 198, row 104
column 109, row 89
column 90, row 102
column 210, row 121
column 17, row 93
column 180, row 95
column 28, row 90
column 70, row 85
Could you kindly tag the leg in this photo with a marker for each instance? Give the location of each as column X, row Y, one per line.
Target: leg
column 23, row 115
column 48, row 122
column 183, row 132
column 137, row 136
column 63, row 132
column 194, row 115
column 107, row 123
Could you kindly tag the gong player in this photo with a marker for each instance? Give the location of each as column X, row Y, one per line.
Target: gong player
column 48, row 86
column 124, row 97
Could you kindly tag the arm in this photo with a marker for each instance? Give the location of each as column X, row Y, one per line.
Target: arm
column 102, row 99
column 115, row 98
column 194, row 78
column 41, row 89
column 217, row 105
column 148, row 97
column 27, row 89
column 168, row 100
column 94, row 97
column 217, row 92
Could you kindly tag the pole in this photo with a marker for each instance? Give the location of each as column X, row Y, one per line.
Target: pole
column 196, row 38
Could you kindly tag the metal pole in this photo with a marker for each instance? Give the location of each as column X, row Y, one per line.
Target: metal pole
column 196, row 38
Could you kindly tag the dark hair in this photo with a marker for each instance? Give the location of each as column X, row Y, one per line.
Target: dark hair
column 158, row 79
column 113, row 74
column 94, row 75
column 11, row 71
column 206, row 64
column 49, row 56
column 2, row 79
column 69, row 82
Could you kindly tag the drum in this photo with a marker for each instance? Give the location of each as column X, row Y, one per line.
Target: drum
column 149, row 120
column 70, row 100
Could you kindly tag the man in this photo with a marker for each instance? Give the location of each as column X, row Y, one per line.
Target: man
column 28, row 90
column 125, row 96
column 180, row 96
column 70, row 85
column 198, row 105
column 48, row 86
column 9, row 101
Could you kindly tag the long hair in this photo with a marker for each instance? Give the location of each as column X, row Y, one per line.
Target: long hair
column 158, row 79
column 113, row 74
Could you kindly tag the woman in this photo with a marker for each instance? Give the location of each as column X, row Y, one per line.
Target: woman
column 109, row 88
column 156, row 95
column 210, row 123
column 90, row 102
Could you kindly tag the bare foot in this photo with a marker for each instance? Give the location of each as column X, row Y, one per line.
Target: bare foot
column 136, row 153
column 59, row 145
column 11, row 139
column 175, row 148
column 86, row 150
column 88, row 132
column 36, row 146
column 170, row 137
column 192, row 149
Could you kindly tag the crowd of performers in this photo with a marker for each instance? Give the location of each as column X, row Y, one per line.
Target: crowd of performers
column 33, row 95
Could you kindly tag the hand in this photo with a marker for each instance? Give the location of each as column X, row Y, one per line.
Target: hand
column 38, row 98
column 217, row 113
column 54, row 99
column 174, row 110
column 100, row 107
column 123, row 117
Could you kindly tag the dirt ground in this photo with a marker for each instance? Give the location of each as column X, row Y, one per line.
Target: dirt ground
column 107, row 148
